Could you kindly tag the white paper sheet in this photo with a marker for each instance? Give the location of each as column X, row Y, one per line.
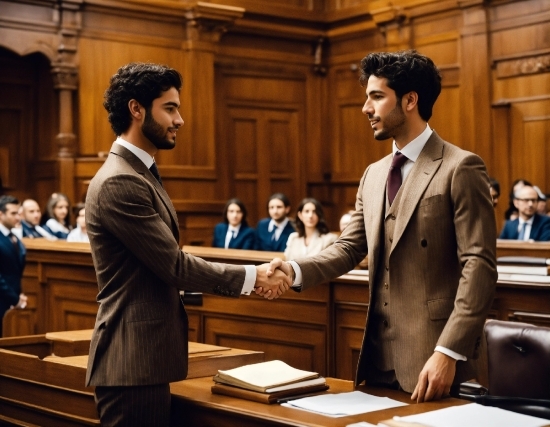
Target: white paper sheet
column 474, row 415
column 343, row 404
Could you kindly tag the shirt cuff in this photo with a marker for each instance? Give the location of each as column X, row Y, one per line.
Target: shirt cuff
column 450, row 353
column 249, row 279
column 297, row 274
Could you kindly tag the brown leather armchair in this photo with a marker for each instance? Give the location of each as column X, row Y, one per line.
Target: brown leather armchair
column 519, row 369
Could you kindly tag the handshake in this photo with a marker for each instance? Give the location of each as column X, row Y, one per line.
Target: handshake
column 273, row 279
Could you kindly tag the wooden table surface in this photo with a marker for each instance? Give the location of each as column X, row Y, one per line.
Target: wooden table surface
column 193, row 404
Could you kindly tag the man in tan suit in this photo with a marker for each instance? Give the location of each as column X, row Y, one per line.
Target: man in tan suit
column 424, row 216
column 139, row 343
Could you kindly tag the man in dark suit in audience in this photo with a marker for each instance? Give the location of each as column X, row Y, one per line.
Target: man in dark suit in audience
column 272, row 233
column 529, row 225
column 12, row 258
column 30, row 223
column 139, row 343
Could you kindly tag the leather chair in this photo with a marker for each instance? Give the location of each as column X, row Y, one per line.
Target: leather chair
column 519, row 369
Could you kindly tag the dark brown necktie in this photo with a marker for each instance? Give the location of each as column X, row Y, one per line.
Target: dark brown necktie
column 154, row 170
column 394, row 176
column 15, row 243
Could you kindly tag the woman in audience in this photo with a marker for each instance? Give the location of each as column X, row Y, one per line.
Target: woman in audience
column 313, row 235
column 58, row 223
column 79, row 233
column 233, row 232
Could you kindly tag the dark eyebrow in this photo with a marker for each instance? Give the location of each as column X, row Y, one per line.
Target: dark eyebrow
column 373, row 92
column 171, row 104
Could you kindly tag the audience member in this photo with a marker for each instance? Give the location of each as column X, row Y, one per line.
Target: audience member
column 541, row 204
column 12, row 256
column 344, row 221
column 272, row 233
column 79, row 233
column 233, row 232
column 313, row 234
column 529, row 225
column 512, row 212
column 59, row 220
column 494, row 189
column 30, row 212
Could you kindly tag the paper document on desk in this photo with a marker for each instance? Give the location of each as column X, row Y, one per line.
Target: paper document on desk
column 343, row 404
column 473, row 415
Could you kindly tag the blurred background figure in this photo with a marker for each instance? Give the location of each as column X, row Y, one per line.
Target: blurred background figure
column 541, row 204
column 79, row 233
column 233, row 232
column 313, row 235
column 12, row 258
column 512, row 211
column 59, row 218
column 30, row 221
column 344, row 221
column 494, row 189
column 272, row 233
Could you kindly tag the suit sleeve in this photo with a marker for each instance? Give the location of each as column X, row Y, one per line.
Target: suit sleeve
column 129, row 209
column 248, row 241
column 475, row 230
column 7, row 293
column 544, row 230
column 344, row 254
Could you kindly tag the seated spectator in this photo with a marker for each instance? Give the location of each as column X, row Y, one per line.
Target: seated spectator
column 344, row 221
column 57, row 209
column 512, row 212
column 272, row 233
column 541, row 205
column 494, row 189
column 529, row 225
column 79, row 233
column 233, row 232
column 313, row 235
column 30, row 220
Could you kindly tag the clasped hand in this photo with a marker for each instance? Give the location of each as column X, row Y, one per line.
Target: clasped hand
column 273, row 279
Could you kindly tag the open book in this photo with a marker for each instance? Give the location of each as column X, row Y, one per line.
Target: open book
column 266, row 377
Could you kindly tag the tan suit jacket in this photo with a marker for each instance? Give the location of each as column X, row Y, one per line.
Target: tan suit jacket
column 140, row 336
column 442, row 263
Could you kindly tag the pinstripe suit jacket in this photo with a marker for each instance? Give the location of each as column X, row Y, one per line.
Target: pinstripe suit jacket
column 140, row 335
column 442, row 261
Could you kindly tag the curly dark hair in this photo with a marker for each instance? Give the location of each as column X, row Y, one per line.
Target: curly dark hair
column 240, row 204
column 406, row 71
column 143, row 82
column 322, row 226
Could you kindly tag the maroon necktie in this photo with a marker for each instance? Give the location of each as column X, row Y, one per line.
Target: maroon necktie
column 15, row 243
column 394, row 176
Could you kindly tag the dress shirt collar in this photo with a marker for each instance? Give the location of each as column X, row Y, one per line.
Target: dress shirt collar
column 412, row 149
column 5, row 231
column 529, row 221
column 280, row 226
column 139, row 153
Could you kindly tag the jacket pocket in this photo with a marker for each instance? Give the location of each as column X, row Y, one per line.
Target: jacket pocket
column 431, row 200
column 440, row 308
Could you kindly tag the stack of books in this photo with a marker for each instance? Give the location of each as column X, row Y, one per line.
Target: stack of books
column 267, row 382
column 523, row 269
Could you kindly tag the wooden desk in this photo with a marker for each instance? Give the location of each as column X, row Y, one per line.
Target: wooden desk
column 194, row 405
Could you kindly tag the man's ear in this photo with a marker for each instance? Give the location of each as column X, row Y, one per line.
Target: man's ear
column 410, row 101
column 287, row 210
column 136, row 110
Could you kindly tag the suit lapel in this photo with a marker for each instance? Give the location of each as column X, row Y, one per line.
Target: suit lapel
column 421, row 174
column 534, row 228
column 140, row 168
column 374, row 202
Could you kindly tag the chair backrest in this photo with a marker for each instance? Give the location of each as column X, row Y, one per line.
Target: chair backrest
column 519, row 359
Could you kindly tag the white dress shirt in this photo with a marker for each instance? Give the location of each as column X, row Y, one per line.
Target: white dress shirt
column 528, row 226
column 232, row 232
column 250, row 270
column 279, row 227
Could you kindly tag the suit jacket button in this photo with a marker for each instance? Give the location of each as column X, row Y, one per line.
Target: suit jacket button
column 232, row 293
column 424, row 243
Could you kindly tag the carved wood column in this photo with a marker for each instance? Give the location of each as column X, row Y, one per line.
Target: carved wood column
column 65, row 76
column 205, row 23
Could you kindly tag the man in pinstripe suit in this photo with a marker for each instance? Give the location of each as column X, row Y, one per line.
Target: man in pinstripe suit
column 139, row 343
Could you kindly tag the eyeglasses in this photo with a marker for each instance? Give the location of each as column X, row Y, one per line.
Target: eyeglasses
column 528, row 200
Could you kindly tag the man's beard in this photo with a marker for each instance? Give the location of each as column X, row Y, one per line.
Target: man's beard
column 155, row 133
column 393, row 121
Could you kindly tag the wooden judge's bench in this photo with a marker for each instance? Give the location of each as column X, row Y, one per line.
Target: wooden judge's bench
column 317, row 330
